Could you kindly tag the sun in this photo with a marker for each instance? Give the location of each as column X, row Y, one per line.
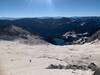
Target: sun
column 49, row 2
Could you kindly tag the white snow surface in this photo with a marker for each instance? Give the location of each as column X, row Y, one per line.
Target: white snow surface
column 20, row 59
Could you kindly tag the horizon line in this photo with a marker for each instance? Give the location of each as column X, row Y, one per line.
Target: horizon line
column 43, row 16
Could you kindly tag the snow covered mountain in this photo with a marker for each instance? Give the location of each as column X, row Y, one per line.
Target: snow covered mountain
column 26, row 49
column 58, row 31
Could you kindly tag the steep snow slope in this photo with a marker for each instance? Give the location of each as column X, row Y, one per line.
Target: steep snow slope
column 21, row 59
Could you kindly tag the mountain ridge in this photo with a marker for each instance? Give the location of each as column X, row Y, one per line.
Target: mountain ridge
column 53, row 30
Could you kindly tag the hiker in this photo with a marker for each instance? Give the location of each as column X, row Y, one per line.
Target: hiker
column 30, row 60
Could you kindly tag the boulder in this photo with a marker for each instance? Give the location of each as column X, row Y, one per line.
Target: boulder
column 97, row 72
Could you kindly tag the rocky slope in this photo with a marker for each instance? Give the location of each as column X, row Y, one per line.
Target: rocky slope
column 13, row 32
column 95, row 36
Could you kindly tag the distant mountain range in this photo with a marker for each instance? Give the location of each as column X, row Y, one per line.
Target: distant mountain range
column 7, row 18
column 58, row 31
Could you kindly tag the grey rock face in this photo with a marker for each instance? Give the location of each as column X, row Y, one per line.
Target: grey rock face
column 97, row 72
column 95, row 36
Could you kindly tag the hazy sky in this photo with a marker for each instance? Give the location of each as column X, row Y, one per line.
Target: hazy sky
column 38, row 8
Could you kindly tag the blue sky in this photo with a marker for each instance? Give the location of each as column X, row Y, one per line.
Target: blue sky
column 39, row 8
